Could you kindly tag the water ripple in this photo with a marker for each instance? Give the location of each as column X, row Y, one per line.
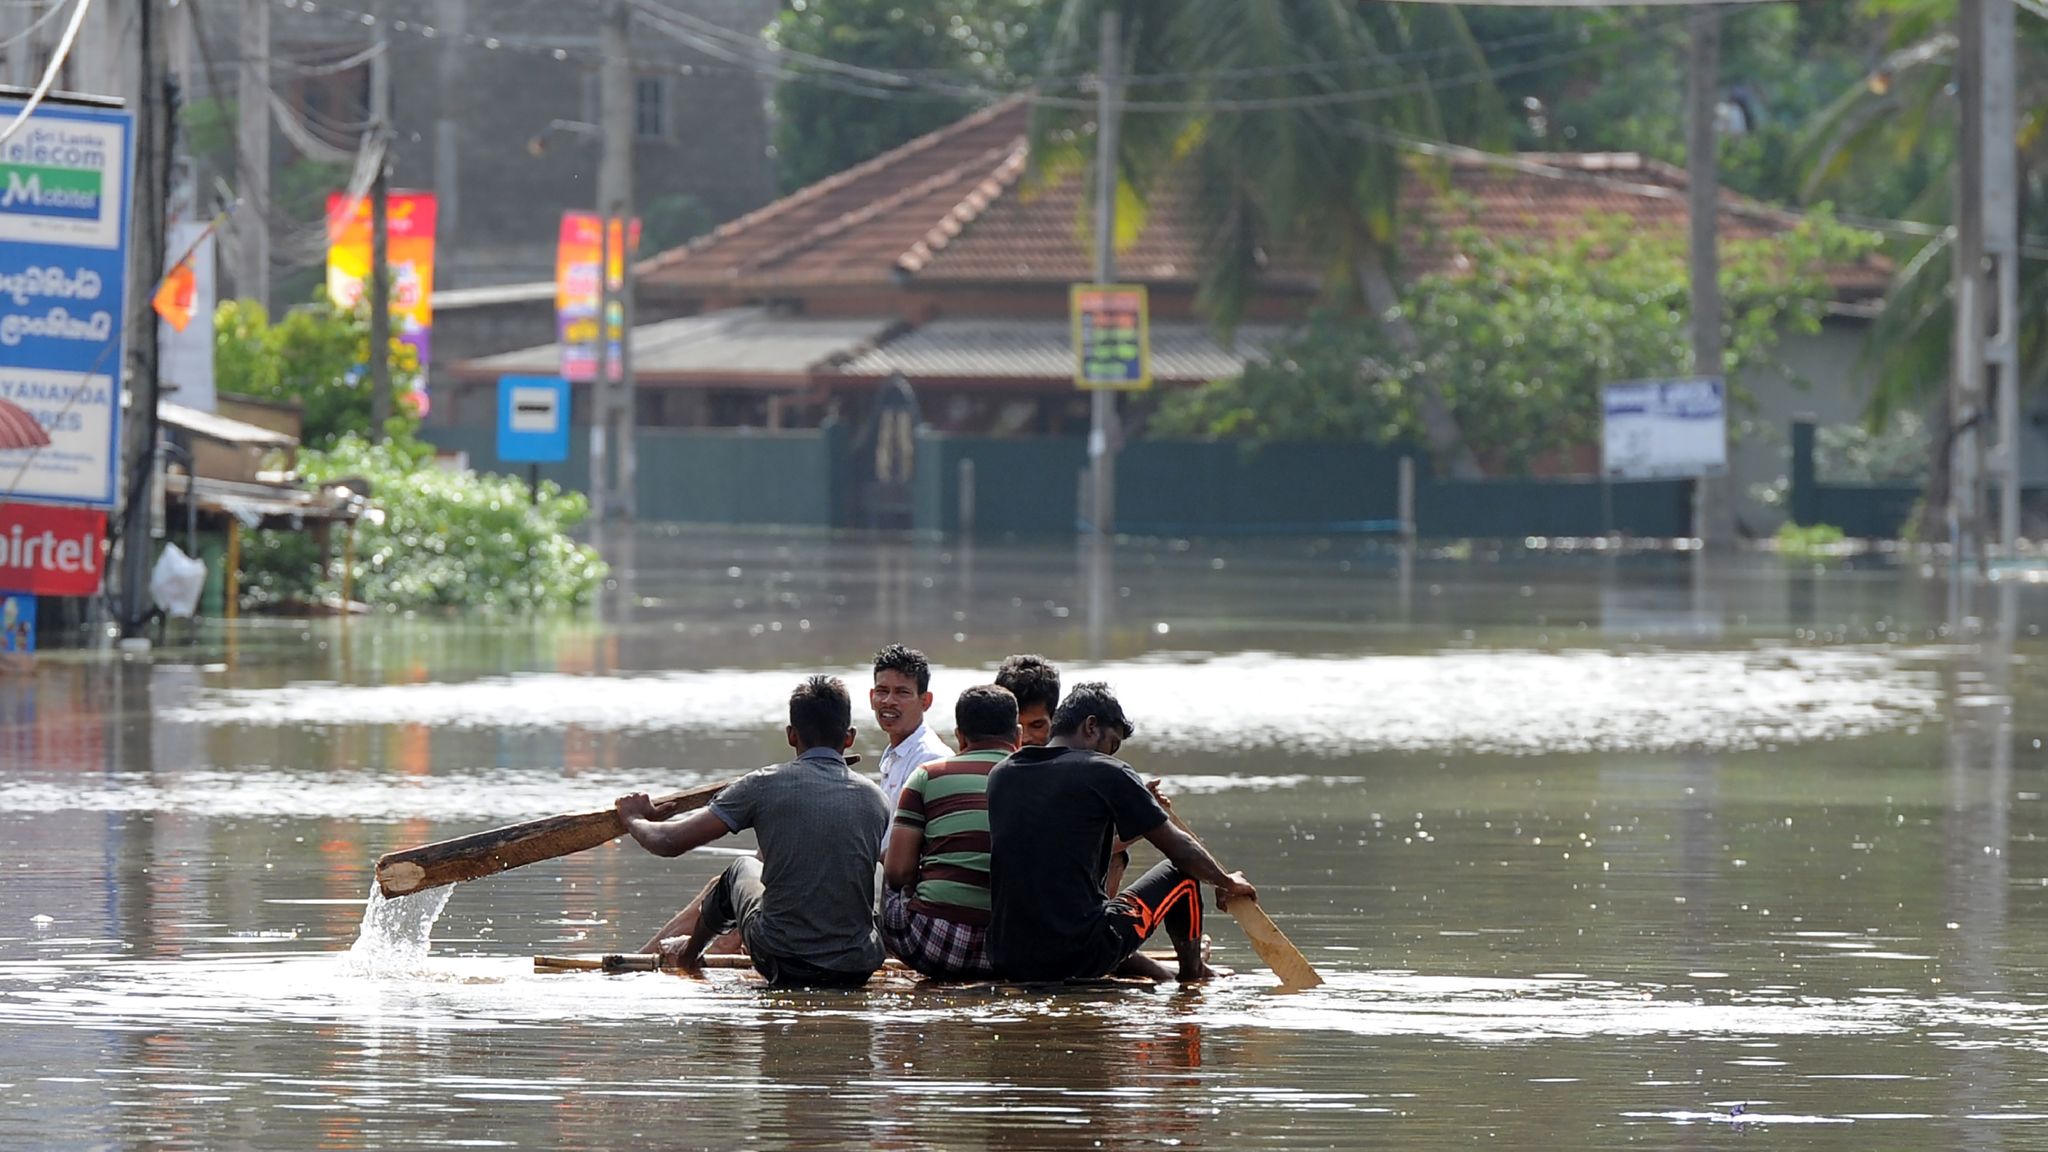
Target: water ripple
column 1516, row 701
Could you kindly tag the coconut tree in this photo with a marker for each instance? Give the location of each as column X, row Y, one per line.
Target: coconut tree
column 1886, row 145
column 1280, row 121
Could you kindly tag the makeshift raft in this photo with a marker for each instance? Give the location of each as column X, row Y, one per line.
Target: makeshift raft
column 894, row 975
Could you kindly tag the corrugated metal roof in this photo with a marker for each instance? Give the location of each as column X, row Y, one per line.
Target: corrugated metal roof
column 217, row 427
column 968, row 347
column 457, row 299
column 731, row 342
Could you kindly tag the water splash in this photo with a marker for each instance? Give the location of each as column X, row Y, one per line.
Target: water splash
column 396, row 934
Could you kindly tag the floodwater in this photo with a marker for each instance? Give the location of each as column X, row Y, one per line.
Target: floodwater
column 1595, row 850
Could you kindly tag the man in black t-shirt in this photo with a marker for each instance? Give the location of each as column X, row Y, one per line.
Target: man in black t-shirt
column 1055, row 816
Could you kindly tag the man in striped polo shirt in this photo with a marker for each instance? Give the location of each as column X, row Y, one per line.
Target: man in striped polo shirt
column 935, row 916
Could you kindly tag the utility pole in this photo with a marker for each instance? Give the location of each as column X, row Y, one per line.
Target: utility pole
column 380, row 232
column 252, row 155
column 612, row 403
column 1999, row 183
column 1713, row 510
column 601, row 382
column 619, row 132
column 1968, row 346
column 1102, row 423
column 145, row 269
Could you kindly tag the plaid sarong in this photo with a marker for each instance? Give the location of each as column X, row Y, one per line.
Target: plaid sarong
column 941, row 949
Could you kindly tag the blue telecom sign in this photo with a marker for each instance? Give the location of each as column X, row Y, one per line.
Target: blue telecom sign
column 64, row 188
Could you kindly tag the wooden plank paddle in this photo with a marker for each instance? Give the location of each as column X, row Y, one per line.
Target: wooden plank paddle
column 1295, row 972
column 481, row 854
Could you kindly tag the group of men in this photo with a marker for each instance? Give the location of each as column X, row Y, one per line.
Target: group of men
column 1004, row 852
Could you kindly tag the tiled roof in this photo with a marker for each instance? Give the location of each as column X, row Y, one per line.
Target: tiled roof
column 970, row 348
column 734, row 342
column 954, row 207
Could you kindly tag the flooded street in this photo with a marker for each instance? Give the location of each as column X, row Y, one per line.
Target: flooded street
column 1594, row 851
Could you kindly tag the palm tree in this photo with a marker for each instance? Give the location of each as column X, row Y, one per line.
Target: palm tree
column 1279, row 119
column 1886, row 145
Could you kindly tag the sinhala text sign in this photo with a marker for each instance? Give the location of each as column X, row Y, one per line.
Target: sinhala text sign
column 1659, row 429
column 63, row 271
column 1112, row 337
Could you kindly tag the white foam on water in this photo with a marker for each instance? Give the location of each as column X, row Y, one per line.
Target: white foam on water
column 1505, row 701
column 396, row 935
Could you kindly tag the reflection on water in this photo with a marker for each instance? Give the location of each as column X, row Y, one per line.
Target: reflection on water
column 1492, row 701
column 1595, row 850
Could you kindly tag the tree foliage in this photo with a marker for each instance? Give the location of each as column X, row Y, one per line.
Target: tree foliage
column 317, row 356
column 441, row 539
column 1895, row 126
column 1610, row 79
column 1523, row 338
column 823, row 126
column 1283, row 122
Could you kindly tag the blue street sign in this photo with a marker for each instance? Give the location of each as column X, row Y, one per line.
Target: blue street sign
column 64, row 182
column 533, row 419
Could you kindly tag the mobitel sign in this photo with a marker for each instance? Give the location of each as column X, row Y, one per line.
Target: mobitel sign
column 63, row 266
column 51, row 551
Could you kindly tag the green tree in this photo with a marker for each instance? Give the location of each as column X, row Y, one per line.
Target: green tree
column 1281, row 119
column 317, row 356
column 1899, row 121
column 1614, row 80
column 1523, row 339
column 439, row 539
column 826, row 122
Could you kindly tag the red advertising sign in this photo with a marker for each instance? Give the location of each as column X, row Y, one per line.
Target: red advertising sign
column 51, row 551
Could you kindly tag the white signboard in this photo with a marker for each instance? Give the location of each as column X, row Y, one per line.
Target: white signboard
column 1659, row 429
column 534, row 410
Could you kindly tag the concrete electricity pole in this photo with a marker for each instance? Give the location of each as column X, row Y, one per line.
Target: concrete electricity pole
column 252, row 155
column 379, row 286
column 612, row 403
column 145, row 268
column 1984, row 384
column 1102, row 423
column 1993, row 334
column 1713, row 509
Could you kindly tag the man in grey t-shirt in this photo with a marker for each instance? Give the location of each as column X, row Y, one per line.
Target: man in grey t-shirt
column 805, row 906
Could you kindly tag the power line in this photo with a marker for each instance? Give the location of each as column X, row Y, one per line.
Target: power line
column 753, row 55
column 29, row 31
column 660, row 17
column 35, row 98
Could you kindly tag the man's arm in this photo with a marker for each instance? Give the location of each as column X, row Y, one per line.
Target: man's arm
column 1190, row 857
column 668, row 837
column 899, row 859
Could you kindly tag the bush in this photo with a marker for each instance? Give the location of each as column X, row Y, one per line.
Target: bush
column 1520, row 340
column 1805, row 542
column 446, row 539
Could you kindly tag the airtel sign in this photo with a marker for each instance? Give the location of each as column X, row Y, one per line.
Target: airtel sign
column 51, row 551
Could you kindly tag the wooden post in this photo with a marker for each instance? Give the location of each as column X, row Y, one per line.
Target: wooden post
column 348, row 568
column 234, row 572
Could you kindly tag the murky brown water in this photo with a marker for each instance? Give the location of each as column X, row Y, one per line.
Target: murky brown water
column 1595, row 851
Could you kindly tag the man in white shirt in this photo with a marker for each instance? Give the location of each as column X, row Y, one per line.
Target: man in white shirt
column 900, row 698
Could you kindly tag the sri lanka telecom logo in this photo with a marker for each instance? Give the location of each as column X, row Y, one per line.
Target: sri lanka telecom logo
column 57, row 174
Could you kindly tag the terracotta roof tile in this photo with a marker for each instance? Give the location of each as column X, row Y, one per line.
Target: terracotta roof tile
column 952, row 208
